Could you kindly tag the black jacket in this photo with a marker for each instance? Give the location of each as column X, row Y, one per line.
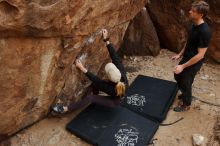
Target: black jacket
column 107, row 86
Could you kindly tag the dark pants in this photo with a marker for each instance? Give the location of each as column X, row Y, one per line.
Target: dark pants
column 107, row 101
column 97, row 99
column 185, row 80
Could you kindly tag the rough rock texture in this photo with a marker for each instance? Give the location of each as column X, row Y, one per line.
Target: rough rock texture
column 215, row 137
column 62, row 17
column 39, row 42
column 170, row 17
column 214, row 50
column 141, row 37
column 26, row 79
column 171, row 20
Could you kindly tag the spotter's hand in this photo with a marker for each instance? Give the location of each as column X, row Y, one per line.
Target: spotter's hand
column 176, row 57
column 178, row 69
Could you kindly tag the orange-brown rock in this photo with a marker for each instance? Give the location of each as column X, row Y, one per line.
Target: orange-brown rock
column 25, row 80
column 214, row 19
column 47, row 18
column 39, row 41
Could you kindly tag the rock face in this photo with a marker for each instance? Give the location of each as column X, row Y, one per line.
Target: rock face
column 141, row 37
column 26, row 80
column 62, row 17
column 171, row 21
column 214, row 50
column 39, row 41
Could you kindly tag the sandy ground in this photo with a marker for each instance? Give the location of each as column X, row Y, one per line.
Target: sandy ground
column 200, row 119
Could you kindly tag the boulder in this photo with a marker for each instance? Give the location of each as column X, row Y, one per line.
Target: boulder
column 171, row 21
column 141, row 36
column 47, row 18
column 39, row 41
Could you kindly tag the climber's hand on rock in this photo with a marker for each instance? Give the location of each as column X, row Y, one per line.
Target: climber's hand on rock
column 80, row 66
column 104, row 33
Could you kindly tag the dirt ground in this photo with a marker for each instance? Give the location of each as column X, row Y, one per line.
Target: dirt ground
column 199, row 119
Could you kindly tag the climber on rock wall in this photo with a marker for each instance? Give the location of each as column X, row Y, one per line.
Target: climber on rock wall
column 115, row 87
column 192, row 54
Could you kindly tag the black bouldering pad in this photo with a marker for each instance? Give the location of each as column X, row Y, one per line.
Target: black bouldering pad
column 104, row 126
column 135, row 122
column 150, row 97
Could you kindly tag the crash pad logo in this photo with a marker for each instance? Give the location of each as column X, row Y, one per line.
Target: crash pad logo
column 136, row 99
column 126, row 137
